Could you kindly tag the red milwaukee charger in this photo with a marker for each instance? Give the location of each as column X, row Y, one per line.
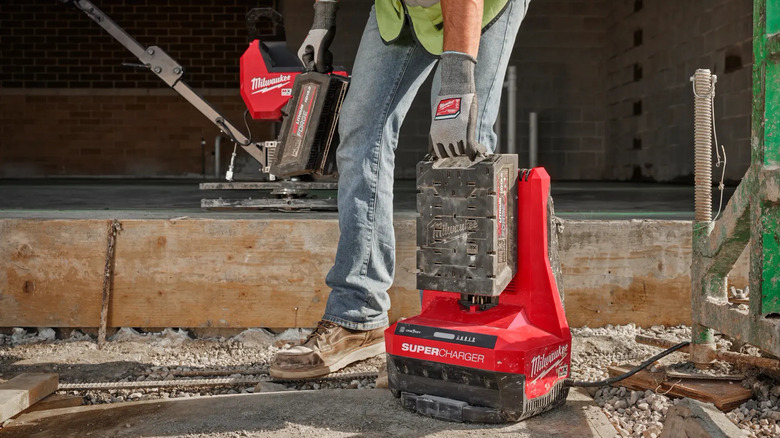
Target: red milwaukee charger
column 482, row 355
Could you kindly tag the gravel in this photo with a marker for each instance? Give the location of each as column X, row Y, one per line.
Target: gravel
column 133, row 355
column 642, row 413
column 137, row 356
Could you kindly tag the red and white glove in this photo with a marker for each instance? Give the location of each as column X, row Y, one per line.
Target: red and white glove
column 453, row 128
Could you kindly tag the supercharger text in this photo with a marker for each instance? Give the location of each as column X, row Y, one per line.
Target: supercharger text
column 443, row 352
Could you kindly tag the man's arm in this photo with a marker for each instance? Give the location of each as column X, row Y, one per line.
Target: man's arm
column 462, row 25
column 314, row 53
column 453, row 128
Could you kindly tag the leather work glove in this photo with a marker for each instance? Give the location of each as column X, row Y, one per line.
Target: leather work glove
column 453, row 128
column 314, row 51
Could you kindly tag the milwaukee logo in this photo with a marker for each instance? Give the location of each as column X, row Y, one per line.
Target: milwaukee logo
column 540, row 363
column 263, row 85
column 447, row 104
column 447, row 109
column 442, row 233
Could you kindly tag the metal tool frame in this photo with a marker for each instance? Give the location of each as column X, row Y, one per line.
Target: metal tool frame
column 286, row 196
column 751, row 219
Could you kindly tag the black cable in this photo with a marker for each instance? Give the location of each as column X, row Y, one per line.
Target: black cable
column 246, row 123
column 221, row 123
column 611, row 380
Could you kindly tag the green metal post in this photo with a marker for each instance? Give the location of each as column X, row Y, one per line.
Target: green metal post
column 765, row 214
column 751, row 218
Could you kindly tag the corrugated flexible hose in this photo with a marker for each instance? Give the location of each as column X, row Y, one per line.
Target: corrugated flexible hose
column 704, row 95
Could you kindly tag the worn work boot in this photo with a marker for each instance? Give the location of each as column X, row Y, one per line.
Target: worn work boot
column 328, row 348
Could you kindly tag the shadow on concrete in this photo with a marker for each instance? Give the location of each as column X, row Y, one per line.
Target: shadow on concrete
column 74, row 372
column 327, row 413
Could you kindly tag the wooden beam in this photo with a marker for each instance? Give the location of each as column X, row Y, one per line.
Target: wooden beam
column 23, row 391
column 270, row 272
column 184, row 273
column 725, row 395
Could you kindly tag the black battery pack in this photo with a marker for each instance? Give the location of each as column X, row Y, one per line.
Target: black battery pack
column 466, row 228
column 309, row 135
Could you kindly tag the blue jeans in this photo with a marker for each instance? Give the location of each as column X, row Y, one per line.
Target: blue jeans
column 385, row 80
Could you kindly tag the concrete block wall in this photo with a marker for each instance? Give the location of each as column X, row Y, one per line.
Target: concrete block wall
column 559, row 58
column 654, row 47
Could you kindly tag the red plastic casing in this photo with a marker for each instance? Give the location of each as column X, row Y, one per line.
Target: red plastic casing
column 266, row 92
column 533, row 336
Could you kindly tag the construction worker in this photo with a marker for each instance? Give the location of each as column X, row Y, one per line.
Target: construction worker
column 469, row 42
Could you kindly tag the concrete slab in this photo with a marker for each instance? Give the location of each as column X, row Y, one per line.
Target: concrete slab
column 330, row 413
column 155, row 198
column 693, row 419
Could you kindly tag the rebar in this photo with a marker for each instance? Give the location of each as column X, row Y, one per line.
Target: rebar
column 232, row 381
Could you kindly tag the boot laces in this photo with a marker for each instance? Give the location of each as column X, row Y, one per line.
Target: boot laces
column 323, row 327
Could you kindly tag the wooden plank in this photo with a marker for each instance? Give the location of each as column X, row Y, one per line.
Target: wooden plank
column 55, row 401
column 725, row 395
column 184, row 273
column 23, row 390
column 736, row 377
column 271, row 272
column 51, row 272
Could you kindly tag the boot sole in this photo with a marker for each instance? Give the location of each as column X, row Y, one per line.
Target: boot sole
column 357, row 355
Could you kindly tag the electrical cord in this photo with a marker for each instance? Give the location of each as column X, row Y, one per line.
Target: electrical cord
column 223, row 126
column 611, row 380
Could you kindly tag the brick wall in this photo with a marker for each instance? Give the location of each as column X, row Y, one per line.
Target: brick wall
column 49, row 45
column 68, row 107
column 110, row 132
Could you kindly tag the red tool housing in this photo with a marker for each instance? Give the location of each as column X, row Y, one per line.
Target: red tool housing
column 505, row 363
column 268, row 71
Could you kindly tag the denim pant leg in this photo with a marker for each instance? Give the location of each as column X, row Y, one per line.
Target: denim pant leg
column 385, row 80
column 495, row 48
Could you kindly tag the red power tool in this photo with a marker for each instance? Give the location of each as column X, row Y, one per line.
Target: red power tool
column 275, row 86
column 479, row 351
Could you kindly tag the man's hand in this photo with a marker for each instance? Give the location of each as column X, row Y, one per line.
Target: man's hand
column 453, row 128
column 314, row 51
